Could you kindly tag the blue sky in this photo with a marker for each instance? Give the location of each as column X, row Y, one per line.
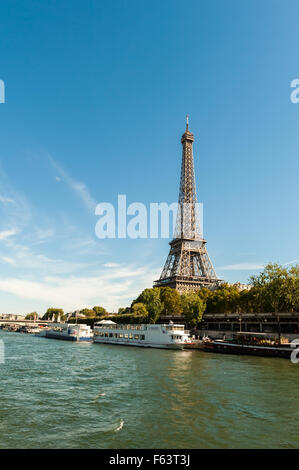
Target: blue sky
column 96, row 98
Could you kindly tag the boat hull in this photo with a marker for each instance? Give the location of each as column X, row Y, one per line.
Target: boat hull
column 52, row 335
column 176, row 346
column 244, row 349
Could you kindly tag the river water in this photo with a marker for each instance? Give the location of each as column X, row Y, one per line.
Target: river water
column 59, row 394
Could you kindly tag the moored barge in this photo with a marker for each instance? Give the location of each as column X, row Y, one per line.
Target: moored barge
column 247, row 343
column 68, row 332
column 166, row 336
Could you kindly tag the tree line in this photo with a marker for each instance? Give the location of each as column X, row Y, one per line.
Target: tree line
column 57, row 314
column 275, row 289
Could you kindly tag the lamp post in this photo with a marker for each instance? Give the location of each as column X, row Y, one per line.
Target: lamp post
column 279, row 332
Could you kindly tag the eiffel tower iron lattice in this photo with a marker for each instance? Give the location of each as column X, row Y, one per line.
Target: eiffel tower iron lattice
column 188, row 266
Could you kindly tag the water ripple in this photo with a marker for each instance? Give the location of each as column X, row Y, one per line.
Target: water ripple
column 56, row 394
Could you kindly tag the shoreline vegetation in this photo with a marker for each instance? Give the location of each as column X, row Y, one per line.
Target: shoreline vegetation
column 275, row 289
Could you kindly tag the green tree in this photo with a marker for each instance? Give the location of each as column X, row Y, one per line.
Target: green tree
column 171, row 301
column 124, row 310
column 151, row 299
column 248, row 301
column 193, row 308
column 277, row 288
column 225, row 299
column 204, row 294
column 88, row 313
column 99, row 311
column 31, row 316
column 139, row 309
column 293, row 289
column 54, row 313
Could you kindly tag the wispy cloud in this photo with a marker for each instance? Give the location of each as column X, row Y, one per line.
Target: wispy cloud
column 111, row 265
column 56, row 262
column 7, row 260
column 241, row 267
column 292, row 262
column 26, row 229
column 78, row 187
column 5, row 200
column 37, row 263
column 14, row 208
column 113, row 291
column 43, row 234
column 7, row 233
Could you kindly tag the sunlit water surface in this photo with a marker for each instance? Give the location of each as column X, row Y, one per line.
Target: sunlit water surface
column 58, row 394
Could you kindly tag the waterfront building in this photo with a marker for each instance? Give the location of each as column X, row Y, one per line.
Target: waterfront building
column 11, row 316
column 218, row 324
column 241, row 286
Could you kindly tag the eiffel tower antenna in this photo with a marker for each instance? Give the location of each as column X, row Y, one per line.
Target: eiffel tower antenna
column 188, row 266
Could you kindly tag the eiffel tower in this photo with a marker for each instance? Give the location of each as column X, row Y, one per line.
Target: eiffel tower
column 188, row 266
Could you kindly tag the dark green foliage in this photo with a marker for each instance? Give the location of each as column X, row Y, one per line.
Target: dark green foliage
column 150, row 298
column 193, row 308
column 225, row 299
column 122, row 310
column 139, row 309
column 31, row 316
column 54, row 313
column 276, row 289
column 99, row 311
column 88, row 313
column 171, row 301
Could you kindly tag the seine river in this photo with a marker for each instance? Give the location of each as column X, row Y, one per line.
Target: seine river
column 57, row 394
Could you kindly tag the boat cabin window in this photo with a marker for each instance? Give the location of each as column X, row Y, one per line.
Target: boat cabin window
column 174, row 327
column 255, row 338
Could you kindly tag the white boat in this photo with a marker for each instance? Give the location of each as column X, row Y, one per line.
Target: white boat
column 33, row 330
column 69, row 332
column 169, row 336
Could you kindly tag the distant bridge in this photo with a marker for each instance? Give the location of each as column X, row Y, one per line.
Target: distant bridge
column 7, row 321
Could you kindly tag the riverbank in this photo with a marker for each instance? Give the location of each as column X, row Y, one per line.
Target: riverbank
column 220, row 334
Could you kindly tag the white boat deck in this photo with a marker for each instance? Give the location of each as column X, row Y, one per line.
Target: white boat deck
column 169, row 336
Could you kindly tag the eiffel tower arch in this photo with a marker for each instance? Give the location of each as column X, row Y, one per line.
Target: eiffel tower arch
column 188, row 266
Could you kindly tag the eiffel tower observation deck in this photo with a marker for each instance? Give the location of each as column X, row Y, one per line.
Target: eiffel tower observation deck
column 188, row 266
